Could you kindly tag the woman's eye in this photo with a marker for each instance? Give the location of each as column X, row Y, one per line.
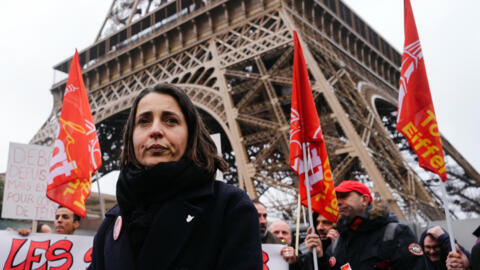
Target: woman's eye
column 172, row 121
column 142, row 120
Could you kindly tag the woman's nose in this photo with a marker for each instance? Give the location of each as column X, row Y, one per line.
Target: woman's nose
column 156, row 130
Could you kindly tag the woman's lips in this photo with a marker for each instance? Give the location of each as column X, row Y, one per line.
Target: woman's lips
column 156, row 148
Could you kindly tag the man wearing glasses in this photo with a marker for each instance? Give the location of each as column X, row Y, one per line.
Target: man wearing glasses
column 436, row 246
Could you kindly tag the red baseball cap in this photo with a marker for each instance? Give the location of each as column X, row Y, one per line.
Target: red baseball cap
column 352, row 185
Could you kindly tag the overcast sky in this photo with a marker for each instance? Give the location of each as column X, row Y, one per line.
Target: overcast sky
column 36, row 35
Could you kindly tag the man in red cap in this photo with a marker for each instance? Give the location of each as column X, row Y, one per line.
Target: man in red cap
column 370, row 236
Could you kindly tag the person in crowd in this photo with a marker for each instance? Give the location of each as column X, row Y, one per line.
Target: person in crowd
column 326, row 233
column 265, row 235
column 66, row 222
column 171, row 213
column 43, row 228
column 436, row 245
column 370, row 236
column 283, row 232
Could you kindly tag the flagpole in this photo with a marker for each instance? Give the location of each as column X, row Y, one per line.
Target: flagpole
column 310, row 216
column 304, row 215
column 34, row 225
column 297, row 234
column 447, row 215
column 100, row 197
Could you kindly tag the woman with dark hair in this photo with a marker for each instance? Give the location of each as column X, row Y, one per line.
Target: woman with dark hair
column 171, row 214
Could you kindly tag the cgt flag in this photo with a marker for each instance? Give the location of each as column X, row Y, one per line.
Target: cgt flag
column 76, row 153
column 416, row 117
column 305, row 128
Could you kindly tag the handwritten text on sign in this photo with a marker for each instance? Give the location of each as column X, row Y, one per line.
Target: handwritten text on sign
column 26, row 183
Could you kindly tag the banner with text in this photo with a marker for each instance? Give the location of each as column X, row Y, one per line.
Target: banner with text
column 44, row 251
column 59, row 251
column 271, row 257
column 25, row 183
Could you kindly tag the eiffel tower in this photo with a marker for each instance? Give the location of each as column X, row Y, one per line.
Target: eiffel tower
column 234, row 59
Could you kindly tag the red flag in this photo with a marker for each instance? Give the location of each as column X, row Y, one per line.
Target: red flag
column 76, row 153
column 305, row 128
column 416, row 117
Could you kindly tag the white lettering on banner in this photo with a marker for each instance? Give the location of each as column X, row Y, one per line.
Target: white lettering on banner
column 414, row 53
column 26, row 182
column 90, row 127
column 315, row 169
column 42, row 250
column 294, row 117
column 315, row 135
column 93, row 149
column 70, row 89
column 272, row 259
column 60, row 163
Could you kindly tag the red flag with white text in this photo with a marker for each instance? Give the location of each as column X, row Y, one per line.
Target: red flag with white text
column 416, row 118
column 305, row 128
column 76, row 153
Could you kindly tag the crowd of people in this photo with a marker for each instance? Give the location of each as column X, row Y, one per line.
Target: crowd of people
column 366, row 236
column 172, row 214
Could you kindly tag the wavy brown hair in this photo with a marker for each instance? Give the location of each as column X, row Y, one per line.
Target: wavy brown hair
column 200, row 147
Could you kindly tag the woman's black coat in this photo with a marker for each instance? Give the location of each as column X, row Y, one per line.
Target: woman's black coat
column 215, row 227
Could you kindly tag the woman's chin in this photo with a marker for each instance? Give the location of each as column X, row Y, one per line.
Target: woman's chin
column 152, row 161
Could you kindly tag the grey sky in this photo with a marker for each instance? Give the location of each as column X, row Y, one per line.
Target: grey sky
column 36, row 35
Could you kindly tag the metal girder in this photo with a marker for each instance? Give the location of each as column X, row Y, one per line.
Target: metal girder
column 234, row 60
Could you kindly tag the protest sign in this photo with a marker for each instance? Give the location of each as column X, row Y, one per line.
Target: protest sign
column 26, row 182
column 59, row 251
column 271, row 257
column 44, row 251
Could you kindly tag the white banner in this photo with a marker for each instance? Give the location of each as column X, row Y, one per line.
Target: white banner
column 44, row 251
column 26, row 183
column 272, row 259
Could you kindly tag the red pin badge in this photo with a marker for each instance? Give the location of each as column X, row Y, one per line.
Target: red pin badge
column 117, row 228
column 332, row 261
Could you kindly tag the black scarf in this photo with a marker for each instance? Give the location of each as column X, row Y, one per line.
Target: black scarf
column 142, row 192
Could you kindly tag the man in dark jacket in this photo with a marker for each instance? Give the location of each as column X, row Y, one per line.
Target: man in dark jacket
column 370, row 236
column 436, row 245
column 266, row 236
column 326, row 233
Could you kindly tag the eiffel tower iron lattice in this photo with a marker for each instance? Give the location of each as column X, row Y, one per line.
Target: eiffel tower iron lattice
column 234, row 59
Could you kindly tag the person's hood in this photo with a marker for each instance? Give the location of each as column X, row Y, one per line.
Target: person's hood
column 379, row 210
column 421, row 240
